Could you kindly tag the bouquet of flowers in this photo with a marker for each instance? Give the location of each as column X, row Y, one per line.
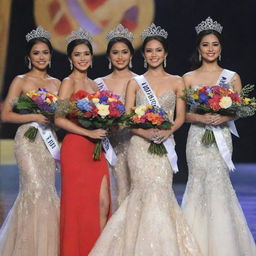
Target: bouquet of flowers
column 39, row 102
column 220, row 100
column 147, row 117
column 99, row 110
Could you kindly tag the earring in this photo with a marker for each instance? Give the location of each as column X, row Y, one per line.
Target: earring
column 91, row 64
column 130, row 63
column 71, row 66
column 145, row 63
column 50, row 64
column 29, row 64
column 219, row 57
column 164, row 62
column 199, row 57
column 109, row 65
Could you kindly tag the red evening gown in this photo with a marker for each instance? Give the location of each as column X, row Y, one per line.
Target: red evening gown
column 80, row 189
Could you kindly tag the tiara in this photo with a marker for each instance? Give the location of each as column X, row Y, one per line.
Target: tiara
column 79, row 34
column 153, row 30
column 38, row 32
column 120, row 31
column 208, row 24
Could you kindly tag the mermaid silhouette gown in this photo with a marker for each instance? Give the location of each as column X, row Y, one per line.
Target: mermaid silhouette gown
column 210, row 204
column 80, row 207
column 149, row 221
column 32, row 225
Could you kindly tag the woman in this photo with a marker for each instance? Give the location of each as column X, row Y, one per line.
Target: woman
column 149, row 221
column 84, row 188
column 119, row 52
column 32, row 225
column 210, row 204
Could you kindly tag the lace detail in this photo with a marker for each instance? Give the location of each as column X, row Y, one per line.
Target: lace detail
column 32, row 225
column 149, row 221
column 210, row 204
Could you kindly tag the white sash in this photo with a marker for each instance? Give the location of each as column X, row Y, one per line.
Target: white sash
column 109, row 151
column 49, row 140
column 224, row 78
column 152, row 99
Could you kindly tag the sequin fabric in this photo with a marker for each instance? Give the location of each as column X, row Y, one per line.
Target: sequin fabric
column 210, row 204
column 32, row 225
column 120, row 174
column 149, row 221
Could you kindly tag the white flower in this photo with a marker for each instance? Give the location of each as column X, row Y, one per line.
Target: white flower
column 103, row 110
column 225, row 102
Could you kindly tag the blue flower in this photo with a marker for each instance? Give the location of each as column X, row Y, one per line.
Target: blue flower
column 203, row 98
column 103, row 99
column 121, row 108
column 84, row 105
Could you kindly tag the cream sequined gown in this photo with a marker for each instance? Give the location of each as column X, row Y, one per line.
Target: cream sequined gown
column 149, row 222
column 210, row 204
column 32, row 225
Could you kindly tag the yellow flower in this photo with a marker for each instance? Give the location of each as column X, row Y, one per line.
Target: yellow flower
column 195, row 96
column 253, row 103
column 247, row 100
column 48, row 101
column 111, row 99
column 225, row 102
column 140, row 110
column 95, row 100
column 103, row 110
column 31, row 93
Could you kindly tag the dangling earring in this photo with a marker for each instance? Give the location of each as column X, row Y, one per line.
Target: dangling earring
column 145, row 63
column 164, row 62
column 29, row 64
column 71, row 65
column 109, row 65
column 219, row 57
column 91, row 64
column 199, row 57
column 130, row 63
column 50, row 64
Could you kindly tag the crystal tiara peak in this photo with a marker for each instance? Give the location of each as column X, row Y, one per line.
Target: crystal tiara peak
column 120, row 31
column 38, row 32
column 154, row 30
column 79, row 34
column 208, row 24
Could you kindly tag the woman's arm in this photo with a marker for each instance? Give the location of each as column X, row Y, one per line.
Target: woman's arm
column 65, row 92
column 7, row 114
column 130, row 98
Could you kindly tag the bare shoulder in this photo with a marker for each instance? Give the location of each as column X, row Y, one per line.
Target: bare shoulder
column 175, row 81
column 94, row 85
column 56, row 81
column 189, row 77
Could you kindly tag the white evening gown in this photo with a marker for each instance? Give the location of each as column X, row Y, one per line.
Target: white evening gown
column 210, row 204
column 149, row 222
column 32, row 225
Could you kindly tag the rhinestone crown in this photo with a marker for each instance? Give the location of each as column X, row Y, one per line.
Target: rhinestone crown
column 153, row 30
column 38, row 32
column 208, row 24
column 120, row 31
column 79, row 34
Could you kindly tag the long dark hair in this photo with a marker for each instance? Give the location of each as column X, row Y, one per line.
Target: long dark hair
column 74, row 43
column 195, row 56
column 34, row 41
column 121, row 40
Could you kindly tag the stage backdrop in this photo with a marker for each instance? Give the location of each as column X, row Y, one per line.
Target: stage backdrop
column 60, row 17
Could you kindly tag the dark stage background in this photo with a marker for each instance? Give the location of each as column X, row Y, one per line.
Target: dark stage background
column 179, row 19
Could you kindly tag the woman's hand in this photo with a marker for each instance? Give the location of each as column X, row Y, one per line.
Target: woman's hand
column 41, row 119
column 219, row 119
column 96, row 134
column 161, row 136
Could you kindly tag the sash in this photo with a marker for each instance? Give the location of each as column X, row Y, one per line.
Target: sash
column 108, row 149
column 152, row 99
column 224, row 78
column 49, row 140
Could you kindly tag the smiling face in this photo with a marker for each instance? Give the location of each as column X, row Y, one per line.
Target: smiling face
column 210, row 48
column 40, row 56
column 120, row 55
column 154, row 53
column 81, row 57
